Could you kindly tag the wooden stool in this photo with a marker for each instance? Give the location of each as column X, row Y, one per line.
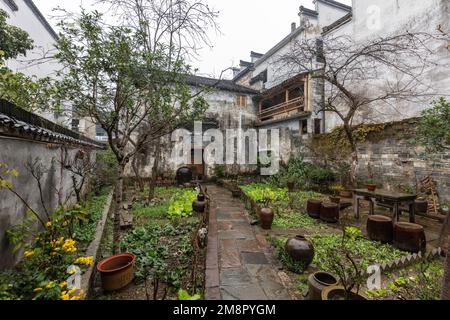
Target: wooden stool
column 313, row 208
column 409, row 237
column 379, row 228
column 329, row 212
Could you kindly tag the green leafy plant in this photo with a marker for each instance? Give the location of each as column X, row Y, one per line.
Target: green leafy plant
column 181, row 204
column 434, row 127
column 184, row 295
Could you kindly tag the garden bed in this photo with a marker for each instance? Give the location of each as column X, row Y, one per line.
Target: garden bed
column 291, row 219
column 55, row 254
column 169, row 257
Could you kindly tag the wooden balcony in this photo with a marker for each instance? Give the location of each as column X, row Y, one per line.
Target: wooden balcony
column 283, row 109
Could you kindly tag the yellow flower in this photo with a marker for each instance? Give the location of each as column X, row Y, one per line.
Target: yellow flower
column 53, row 253
column 65, row 296
column 37, row 290
column 50, row 285
column 69, row 246
column 29, row 253
column 48, row 224
column 87, row 261
column 63, row 284
column 73, row 270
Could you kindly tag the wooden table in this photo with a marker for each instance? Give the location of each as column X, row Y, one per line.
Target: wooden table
column 385, row 196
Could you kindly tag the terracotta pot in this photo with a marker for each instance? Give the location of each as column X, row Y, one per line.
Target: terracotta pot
column 409, row 237
column 201, row 197
column 336, row 200
column 300, row 250
column 313, row 208
column 329, row 212
column 345, row 194
column 421, row 206
column 266, row 216
column 338, row 293
column 319, row 281
column 371, row 187
column 199, row 206
column 116, row 271
column 379, row 228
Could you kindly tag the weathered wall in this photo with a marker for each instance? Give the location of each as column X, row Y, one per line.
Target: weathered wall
column 393, row 153
column 222, row 110
column 56, row 185
column 372, row 19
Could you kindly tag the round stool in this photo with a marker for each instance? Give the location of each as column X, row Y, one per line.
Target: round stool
column 379, row 228
column 313, row 208
column 329, row 212
column 409, row 237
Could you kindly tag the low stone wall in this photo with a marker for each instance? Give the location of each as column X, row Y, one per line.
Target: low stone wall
column 56, row 185
column 397, row 160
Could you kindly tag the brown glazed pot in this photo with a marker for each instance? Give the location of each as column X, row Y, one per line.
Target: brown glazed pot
column 409, row 237
column 266, row 216
column 116, row 271
column 201, row 197
column 338, row 293
column 329, row 212
column 371, row 187
column 199, row 206
column 313, row 208
column 421, row 206
column 319, row 281
column 379, row 228
column 300, row 250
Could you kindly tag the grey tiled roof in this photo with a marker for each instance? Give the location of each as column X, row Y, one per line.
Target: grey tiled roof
column 220, row 84
column 338, row 23
column 21, row 123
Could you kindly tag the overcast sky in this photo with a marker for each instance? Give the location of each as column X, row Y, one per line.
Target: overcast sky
column 245, row 25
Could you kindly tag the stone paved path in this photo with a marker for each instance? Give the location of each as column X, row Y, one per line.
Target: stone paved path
column 239, row 265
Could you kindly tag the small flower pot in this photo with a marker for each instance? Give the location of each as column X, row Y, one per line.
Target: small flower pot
column 116, row 271
column 371, row 187
column 201, row 197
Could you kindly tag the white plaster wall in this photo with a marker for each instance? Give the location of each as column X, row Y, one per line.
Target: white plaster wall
column 44, row 44
column 373, row 19
column 328, row 14
column 25, row 19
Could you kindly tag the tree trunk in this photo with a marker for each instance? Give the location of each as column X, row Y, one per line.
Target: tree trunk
column 354, row 166
column 119, row 199
column 152, row 183
column 134, row 165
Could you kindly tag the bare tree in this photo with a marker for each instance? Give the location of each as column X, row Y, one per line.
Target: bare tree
column 81, row 168
column 363, row 79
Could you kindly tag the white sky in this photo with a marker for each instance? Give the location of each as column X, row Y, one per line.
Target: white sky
column 245, row 25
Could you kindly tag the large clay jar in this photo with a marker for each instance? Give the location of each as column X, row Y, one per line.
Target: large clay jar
column 266, row 216
column 319, row 281
column 199, row 206
column 300, row 250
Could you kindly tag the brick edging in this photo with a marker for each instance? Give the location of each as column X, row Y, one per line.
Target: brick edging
column 212, row 280
column 92, row 250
